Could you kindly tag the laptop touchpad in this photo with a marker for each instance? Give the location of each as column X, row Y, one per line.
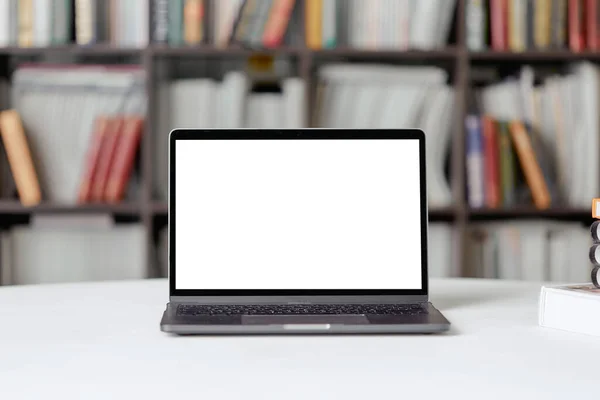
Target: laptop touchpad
column 304, row 319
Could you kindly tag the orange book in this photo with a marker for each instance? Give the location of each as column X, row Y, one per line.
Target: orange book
column 105, row 159
column 92, row 158
column 19, row 158
column 278, row 22
column 193, row 21
column 314, row 17
column 531, row 168
column 124, row 158
column 596, row 208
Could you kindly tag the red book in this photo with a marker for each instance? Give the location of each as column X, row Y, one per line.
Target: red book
column 591, row 24
column 105, row 161
column 92, row 157
column 124, row 158
column 576, row 36
column 491, row 163
column 278, row 22
column 499, row 24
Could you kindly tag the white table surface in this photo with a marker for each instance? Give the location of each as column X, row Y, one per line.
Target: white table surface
column 102, row 341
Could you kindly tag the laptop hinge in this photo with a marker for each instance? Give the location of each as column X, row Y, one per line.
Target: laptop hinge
column 300, row 300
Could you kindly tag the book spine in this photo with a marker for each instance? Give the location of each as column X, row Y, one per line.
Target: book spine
column 531, row 168
column 124, row 159
column 329, row 24
column 591, row 26
column 25, row 23
column 542, row 20
column 499, row 15
column 92, row 159
column 314, row 23
column 475, row 178
column 175, row 13
column 84, row 22
column 193, row 22
column 244, row 23
column 492, row 182
column 475, row 20
column 278, row 23
column 507, row 165
column 160, row 21
column 61, row 21
column 228, row 15
column 19, row 158
column 107, row 154
column 575, row 26
column 259, row 23
column 14, row 22
column 530, row 24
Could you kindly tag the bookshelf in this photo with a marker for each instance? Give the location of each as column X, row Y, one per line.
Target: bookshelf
column 455, row 57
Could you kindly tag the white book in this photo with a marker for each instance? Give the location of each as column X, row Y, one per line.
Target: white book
column 42, row 23
column 294, row 98
column 509, row 253
column 232, row 96
column 534, row 253
column 423, row 24
column 572, row 308
column 444, row 22
column 439, row 251
column 142, row 16
column 329, row 23
column 5, row 23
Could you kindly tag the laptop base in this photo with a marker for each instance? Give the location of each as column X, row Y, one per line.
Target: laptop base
column 432, row 322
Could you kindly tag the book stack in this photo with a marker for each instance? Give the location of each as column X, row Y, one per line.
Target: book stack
column 204, row 103
column 60, row 249
column 519, row 25
column 378, row 24
column 541, row 251
column 82, row 125
column 535, row 144
column 42, row 23
column 369, row 96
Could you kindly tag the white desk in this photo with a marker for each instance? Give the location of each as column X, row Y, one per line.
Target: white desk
column 102, row 341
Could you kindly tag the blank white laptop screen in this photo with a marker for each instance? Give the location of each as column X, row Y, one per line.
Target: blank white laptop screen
column 297, row 214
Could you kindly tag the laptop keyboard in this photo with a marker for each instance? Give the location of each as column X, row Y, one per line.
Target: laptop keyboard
column 309, row 309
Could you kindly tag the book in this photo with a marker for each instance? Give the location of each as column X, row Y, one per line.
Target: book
column 62, row 249
column 123, row 160
column 519, row 25
column 19, row 158
column 378, row 24
column 92, row 159
column 572, row 308
column 60, row 106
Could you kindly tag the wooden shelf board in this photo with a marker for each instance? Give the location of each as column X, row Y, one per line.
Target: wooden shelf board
column 445, row 53
column 10, row 207
column 533, row 55
column 527, row 212
column 211, row 51
column 101, row 50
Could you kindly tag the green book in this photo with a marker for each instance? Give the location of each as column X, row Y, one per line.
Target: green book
column 175, row 14
column 506, row 158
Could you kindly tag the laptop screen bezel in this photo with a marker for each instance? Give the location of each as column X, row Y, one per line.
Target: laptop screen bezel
column 303, row 134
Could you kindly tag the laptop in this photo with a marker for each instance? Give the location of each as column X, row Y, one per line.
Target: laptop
column 315, row 231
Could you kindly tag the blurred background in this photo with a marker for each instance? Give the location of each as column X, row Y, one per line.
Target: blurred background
column 507, row 92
